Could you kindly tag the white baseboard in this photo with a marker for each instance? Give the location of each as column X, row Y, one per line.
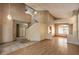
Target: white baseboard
column 76, row 43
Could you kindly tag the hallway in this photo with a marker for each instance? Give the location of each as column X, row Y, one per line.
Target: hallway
column 56, row 46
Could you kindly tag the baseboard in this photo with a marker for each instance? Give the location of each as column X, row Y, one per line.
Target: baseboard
column 75, row 43
column 7, row 42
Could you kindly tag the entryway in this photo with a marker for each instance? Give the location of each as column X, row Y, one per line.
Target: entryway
column 63, row 30
column 20, row 31
column 60, row 29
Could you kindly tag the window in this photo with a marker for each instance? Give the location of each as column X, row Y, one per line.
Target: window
column 63, row 29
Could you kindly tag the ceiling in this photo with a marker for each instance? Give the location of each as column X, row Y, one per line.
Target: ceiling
column 59, row 10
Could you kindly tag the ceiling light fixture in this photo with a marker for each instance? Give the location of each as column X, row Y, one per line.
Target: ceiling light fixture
column 35, row 12
column 9, row 17
column 30, row 10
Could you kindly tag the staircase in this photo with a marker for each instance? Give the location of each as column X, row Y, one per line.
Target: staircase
column 32, row 27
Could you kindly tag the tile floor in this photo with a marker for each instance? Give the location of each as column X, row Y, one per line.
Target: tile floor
column 13, row 46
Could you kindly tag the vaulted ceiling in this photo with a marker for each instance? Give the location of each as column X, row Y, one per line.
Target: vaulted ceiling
column 59, row 10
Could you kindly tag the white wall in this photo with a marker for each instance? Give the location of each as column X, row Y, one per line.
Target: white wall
column 72, row 38
column 50, row 23
column 33, row 32
column 7, row 25
column 50, row 19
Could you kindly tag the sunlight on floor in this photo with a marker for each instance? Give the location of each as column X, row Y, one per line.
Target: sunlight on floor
column 62, row 41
